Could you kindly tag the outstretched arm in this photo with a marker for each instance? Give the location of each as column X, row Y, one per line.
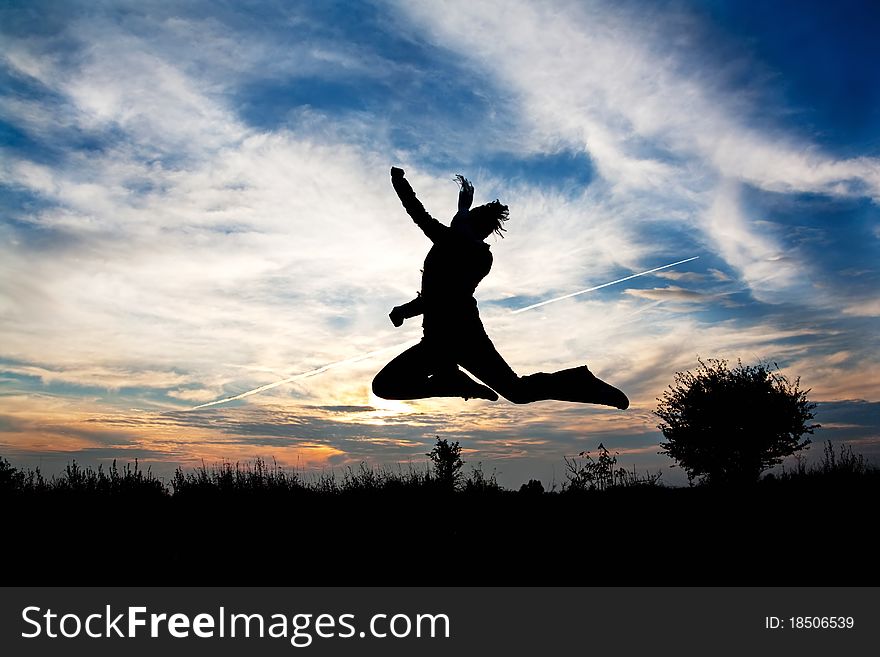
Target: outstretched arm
column 413, row 206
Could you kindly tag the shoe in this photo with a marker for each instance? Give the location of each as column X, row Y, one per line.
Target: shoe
column 579, row 384
column 608, row 395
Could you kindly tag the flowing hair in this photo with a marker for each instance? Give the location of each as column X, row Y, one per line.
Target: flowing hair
column 490, row 218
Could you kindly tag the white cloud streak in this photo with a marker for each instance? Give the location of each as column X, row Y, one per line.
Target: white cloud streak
column 603, row 285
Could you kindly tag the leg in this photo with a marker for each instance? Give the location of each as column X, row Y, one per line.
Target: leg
column 406, row 376
column 577, row 384
column 483, row 361
column 426, row 370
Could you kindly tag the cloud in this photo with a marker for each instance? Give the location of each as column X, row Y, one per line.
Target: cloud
column 202, row 207
column 656, row 126
column 689, row 300
column 864, row 308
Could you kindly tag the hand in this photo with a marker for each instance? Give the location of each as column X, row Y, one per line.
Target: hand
column 466, row 195
column 396, row 316
column 397, row 172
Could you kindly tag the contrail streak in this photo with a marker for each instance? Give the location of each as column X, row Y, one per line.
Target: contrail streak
column 599, row 287
column 370, row 354
column 304, row 375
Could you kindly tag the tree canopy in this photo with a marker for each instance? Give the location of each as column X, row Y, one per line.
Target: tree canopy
column 726, row 426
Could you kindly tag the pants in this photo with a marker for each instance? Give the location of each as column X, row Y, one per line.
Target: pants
column 428, row 368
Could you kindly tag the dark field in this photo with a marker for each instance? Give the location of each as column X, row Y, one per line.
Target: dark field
column 260, row 525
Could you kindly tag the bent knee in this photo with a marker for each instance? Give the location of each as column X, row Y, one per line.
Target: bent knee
column 379, row 387
column 384, row 388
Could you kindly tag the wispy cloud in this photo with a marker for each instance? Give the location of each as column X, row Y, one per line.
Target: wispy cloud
column 196, row 205
column 614, row 83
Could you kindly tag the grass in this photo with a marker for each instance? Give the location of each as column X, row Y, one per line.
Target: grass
column 78, row 480
column 841, row 464
column 242, row 523
column 235, row 479
column 583, row 474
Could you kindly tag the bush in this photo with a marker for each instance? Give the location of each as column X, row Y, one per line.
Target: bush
column 478, row 483
column 726, row 426
column 532, row 487
column 447, row 463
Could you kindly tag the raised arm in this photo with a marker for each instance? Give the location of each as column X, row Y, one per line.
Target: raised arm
column 413, row 206
column 465, row 194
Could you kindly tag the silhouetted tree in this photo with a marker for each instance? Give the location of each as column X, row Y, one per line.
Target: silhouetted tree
column 447, row 462
column 726, row 426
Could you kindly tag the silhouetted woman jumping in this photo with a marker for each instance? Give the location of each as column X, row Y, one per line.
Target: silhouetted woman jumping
column 453, row 334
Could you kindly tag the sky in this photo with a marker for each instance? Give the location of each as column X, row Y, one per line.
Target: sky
column 195, row 203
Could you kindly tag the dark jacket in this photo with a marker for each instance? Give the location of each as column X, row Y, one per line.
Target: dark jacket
column 453, row 268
